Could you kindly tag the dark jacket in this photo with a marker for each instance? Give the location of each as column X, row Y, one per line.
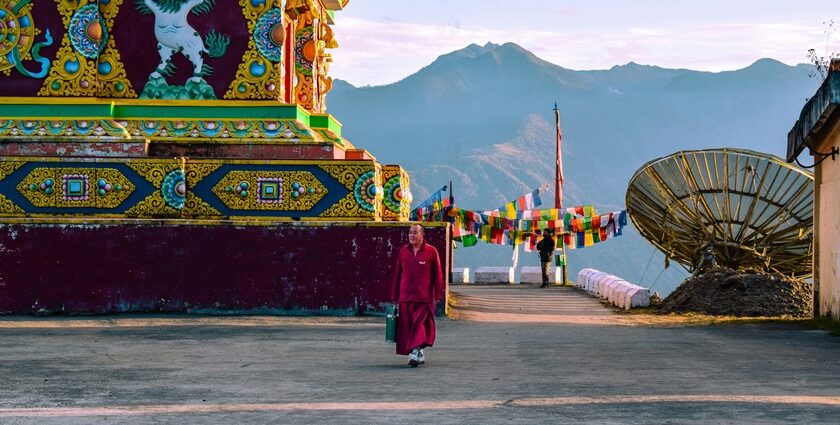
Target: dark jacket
column 546, row 248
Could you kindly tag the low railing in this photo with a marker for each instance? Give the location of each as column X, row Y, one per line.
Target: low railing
column 616, row 290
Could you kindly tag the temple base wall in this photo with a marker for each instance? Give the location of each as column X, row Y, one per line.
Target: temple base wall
column 157, row 266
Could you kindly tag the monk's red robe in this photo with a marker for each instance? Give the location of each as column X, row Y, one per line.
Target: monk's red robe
column 418, row 284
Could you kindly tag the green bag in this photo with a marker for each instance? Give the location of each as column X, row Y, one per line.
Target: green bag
column 391, row 324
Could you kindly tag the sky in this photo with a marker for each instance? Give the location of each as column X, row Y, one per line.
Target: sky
column 384, row 41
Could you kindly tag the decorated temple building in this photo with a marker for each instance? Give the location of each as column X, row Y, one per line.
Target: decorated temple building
column 177, row 155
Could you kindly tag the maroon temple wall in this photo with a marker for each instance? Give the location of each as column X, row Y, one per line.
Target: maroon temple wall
column 170, row 268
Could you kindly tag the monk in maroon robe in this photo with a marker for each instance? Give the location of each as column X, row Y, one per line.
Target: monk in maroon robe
column 418, row 285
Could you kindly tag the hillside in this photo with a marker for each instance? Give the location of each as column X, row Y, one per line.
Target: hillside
column 482, row 117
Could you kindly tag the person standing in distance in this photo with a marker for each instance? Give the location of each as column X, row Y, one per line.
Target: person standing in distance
column 418, row 285
column 546, row 249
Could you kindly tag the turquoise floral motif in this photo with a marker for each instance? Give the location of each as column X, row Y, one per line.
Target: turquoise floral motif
column 240, row 128
column 302, row 64
column 174, row 189
column 56, row 128
column 84, row 27
column 28, row 128
column 265, row 35
column 178, row 128
column 365, row 191
column 393, row 194
column 211, row 128
column 84, row 127
column 272, row 128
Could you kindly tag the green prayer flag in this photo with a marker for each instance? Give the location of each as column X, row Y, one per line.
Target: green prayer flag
column 469, row 240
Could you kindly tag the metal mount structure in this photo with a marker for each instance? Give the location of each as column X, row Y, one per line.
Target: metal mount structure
column 754, row 210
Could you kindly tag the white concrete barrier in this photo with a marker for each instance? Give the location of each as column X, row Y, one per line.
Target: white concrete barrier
column 583, row 277
column 616, row 290
column 489, row 275
column 460, row 275
column 638, row 298
column 534, row 275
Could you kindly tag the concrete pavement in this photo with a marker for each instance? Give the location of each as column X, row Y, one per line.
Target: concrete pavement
column 566, row 359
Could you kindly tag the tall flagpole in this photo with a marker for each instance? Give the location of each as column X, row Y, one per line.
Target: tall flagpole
column 558, row 187
column 452, row 241
column 558, row 161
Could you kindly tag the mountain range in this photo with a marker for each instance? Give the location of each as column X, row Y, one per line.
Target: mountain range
column 482, row 117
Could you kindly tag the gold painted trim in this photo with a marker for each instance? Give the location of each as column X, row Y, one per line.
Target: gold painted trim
column 283, row 161
column 103, row 160
column 188, row 160
column 6, row 100
column 61, row 119
column 247, row 222
column 239, row 141
column 143, row 102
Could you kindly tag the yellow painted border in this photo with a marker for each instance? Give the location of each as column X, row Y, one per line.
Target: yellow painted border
column 187, row 160
column 144, row 102
column 105, row 221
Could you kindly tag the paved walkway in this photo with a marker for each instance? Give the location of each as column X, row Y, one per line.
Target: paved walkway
column 528, row 304
column 538, row 367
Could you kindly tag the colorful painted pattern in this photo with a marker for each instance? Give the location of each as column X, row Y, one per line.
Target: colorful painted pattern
column 354, row 204
column 9, row 166
column 154, row 173
column 88, row 63
column 260, row 75
column 270, row 190
column 62, row 128
column 268, row 35
column 174, row 189
column 235, row 129
column 366, row 191
column 87, row 31
column 67, row 188
column 71, row 74
column 271, row 131
column 113, row 80
column 306, row 55
column 208, row 35
column 17, row 35
column 182, row 188
column 305, row 50
column 393, row 194
column 397, row 196
column 6, row 206
column 175, row 36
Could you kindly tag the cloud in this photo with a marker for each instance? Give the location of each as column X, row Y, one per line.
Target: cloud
column 379, row 53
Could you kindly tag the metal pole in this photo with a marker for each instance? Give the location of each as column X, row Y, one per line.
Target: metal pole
column 558, row 189
column 451, row 241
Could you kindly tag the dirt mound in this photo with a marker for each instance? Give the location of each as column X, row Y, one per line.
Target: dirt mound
column 726, row 292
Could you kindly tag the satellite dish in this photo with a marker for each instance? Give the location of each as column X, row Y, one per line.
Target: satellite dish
column 752, row 210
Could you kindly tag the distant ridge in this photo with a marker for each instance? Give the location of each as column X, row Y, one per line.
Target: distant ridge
column 482, row 117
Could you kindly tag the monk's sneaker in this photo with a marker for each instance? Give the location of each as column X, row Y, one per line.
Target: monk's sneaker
column 414, row 358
